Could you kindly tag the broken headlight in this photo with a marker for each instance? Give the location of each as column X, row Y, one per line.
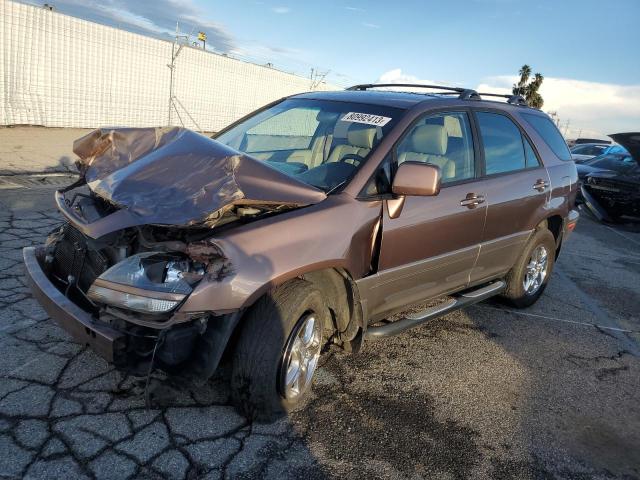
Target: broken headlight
column 151, row 282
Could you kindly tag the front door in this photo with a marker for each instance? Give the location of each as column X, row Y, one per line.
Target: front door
column 430, row 247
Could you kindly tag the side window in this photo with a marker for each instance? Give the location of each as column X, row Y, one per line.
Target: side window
column 550, row 134
column 503, row 143
column 530, row 155
column 444, row 140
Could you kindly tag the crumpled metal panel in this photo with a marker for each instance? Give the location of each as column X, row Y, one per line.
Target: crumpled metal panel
column 174, row 176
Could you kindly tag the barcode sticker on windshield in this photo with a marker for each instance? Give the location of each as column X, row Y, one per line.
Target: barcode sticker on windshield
column 366, row 118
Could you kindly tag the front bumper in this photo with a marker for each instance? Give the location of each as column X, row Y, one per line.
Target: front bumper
column 105, row 341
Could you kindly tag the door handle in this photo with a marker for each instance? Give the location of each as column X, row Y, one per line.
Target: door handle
column 472, row 200
column 541, row 185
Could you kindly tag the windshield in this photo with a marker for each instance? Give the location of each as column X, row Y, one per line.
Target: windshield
column 321, row 142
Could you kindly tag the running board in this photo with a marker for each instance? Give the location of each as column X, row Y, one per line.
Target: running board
column 457, row 302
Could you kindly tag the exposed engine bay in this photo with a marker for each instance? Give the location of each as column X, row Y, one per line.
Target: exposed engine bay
column 133, row 280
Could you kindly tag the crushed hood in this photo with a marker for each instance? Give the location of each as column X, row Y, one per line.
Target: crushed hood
column 174, row 176
column 630, row 141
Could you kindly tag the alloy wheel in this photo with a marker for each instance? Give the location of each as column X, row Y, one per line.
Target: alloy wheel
column 536, row 270
column 301, row 356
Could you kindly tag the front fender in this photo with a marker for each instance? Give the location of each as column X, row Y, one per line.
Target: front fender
column 337, row 233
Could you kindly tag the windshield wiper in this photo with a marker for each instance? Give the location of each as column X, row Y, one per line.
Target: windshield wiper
column 333, row 189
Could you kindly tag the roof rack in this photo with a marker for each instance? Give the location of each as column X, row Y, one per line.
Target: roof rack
column 463, row 93
column 511, row 99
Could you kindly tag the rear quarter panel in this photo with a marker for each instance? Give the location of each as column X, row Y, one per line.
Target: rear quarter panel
column 563, row 175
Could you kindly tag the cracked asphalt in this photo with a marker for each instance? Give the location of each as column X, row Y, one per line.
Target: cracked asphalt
column 548, row 392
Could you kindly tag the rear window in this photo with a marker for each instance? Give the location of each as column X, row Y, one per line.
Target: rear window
column 550, row 134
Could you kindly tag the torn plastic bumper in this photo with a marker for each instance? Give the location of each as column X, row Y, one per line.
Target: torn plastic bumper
column 594, row 206
column 196, row 344
column 610, row 199
column 107, row 342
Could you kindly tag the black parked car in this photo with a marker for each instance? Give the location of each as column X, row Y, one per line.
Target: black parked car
column 582, row 153
column 610, row 184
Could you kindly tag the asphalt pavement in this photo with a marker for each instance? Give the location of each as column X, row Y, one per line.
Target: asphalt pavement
column 488, row 392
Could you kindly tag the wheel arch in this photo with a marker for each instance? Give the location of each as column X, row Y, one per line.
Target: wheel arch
column 554, row 224
column 341, row 295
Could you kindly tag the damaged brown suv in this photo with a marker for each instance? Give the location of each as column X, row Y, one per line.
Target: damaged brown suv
column 306, row 223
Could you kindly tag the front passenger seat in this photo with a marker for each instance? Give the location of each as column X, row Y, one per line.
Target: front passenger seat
column 428, row 144
column 360, row 140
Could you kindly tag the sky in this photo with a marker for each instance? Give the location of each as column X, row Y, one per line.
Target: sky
column 587, row 50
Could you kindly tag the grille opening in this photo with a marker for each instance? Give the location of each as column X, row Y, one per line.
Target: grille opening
column 73, row 259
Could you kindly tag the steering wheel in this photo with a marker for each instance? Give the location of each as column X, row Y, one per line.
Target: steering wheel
column 352, row 156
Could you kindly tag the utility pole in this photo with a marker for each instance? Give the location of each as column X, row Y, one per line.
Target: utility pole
column 173, row 100
column 317, row 77
column 172, row 66
column 566, row 127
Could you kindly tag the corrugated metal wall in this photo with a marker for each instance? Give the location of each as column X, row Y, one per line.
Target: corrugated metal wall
column 61, row 71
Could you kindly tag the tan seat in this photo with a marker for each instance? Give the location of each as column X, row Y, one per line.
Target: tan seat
column 360, row 140
column 428, row 144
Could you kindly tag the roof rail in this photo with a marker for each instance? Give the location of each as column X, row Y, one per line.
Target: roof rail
column 518, row 100
column 463, row 93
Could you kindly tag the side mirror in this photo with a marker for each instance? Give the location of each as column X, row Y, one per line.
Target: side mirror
column 417, row 178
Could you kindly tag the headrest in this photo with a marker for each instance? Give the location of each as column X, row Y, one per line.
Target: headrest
column 430, row 139
column 326, row 116
column 361, row 135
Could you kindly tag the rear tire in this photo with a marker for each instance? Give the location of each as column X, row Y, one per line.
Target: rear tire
column 263, row 355
column 528, row 278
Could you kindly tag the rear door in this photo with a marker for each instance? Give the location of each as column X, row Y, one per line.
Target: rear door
column 516, row 187
column 430, row 247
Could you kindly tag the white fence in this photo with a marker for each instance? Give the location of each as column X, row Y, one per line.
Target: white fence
column 61, row 71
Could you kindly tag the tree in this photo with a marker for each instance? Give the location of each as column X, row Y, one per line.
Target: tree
column 520, row 87
column 529, row 89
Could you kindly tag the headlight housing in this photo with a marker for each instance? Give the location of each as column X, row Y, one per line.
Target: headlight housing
column 150, row 282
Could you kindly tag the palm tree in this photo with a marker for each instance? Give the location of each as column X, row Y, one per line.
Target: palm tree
column 529, row 89
column 533, row 97
column 525, row 73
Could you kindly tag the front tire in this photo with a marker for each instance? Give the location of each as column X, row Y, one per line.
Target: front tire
column 278, row 350
column 528, row 278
